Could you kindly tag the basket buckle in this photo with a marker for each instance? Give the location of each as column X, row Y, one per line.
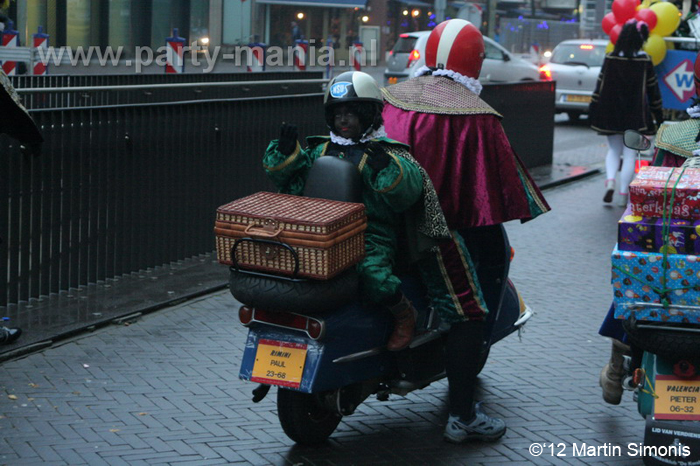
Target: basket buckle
column 271, row 253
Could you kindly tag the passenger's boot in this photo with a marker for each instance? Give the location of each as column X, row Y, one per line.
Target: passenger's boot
column 404, row 324
column 613, row 372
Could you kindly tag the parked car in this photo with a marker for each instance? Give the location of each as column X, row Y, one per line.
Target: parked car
column 408, row 55
column 575, row 66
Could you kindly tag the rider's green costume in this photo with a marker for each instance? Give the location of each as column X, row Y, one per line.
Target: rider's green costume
column 391, row 192
column 391, row 198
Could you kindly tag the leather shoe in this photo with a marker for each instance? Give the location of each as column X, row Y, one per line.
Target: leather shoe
column 9, row 335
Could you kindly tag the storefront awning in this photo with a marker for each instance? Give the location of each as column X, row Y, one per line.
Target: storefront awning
column 416, row 3
column 321, row 3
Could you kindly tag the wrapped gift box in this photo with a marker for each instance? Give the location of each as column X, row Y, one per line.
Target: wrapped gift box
column 648, row 189
column 636, row 233
column 636, row 281
column 291, row 235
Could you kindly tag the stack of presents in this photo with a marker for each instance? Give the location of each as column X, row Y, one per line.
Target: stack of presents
column 656, row 264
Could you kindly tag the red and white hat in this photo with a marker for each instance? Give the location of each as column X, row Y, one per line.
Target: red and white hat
column 456, row 45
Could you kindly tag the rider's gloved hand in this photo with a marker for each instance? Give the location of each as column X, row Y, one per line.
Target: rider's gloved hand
column 377, row 157
column 288, row 139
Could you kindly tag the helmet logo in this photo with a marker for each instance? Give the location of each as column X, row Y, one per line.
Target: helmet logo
column 340, row 89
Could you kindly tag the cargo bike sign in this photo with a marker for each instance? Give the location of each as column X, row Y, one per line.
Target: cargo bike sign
column 675, row 75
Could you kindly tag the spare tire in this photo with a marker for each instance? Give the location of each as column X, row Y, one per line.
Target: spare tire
column 663, row 341
column 302, row 296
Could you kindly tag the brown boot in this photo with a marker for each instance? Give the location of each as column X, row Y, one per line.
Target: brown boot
column 612, row 373
column 404, row 325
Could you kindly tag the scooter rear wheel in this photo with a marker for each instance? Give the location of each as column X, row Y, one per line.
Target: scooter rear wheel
column 303, row 418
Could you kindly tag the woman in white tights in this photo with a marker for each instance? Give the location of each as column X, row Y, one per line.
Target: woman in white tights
column 626, row 97
column 617, row 149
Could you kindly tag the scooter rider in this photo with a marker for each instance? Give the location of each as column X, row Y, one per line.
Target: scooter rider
column 458, row 139
column 393, row 185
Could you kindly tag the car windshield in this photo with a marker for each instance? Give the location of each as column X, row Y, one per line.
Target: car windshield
column 578, row 54
column 405, row 44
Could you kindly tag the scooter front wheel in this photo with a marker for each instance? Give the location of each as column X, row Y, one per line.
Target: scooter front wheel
column 303, row 418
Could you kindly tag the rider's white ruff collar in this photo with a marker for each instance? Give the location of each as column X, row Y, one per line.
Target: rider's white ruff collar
column 341, row 141
column 694, row 111
column 470, row 83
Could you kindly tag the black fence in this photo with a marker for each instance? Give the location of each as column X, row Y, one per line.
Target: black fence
column 49, row 92
column 123, row 188
column 133, row 168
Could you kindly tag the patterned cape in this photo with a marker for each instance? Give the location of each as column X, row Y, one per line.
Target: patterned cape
column 436, row 95
column 679, row 138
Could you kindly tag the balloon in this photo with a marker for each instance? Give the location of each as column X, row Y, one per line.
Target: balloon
column 655, row 47
column 608, row 22
column 615, row 33
column 668, row 18
column 624, row 9
column 648, row 16
column 610, row 47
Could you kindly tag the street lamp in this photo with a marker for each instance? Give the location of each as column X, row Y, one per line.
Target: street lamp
column 365, row 18
column 300, row 15
column 415, row 13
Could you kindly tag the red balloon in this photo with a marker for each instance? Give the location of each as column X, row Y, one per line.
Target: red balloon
column 609, row 21
column 648, row 16
column 615, row 33
column 624, row 9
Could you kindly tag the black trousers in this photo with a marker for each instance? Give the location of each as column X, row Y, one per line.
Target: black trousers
column 464, row 346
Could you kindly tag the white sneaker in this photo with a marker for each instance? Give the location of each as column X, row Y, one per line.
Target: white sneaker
column 482, row 427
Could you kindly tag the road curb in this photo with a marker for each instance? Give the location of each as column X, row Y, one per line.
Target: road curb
column 570, row 179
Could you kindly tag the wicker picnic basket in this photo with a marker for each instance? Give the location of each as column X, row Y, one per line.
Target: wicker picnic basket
column 291, row 235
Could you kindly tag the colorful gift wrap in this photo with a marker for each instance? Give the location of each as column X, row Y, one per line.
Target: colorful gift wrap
column 653, row 184
column 646, row 234
column 637, row 282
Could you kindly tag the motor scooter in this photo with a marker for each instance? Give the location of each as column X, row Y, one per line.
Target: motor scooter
column 327, row 354
column 664, row 372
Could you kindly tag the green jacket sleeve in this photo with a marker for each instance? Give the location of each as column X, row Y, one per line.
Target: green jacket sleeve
column 288, row 173
column 400, row 184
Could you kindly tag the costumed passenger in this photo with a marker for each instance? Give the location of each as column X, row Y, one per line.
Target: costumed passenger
column 480, row 181
column 393, row 184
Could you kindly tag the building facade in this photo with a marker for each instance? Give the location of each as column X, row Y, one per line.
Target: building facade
column 114, row 23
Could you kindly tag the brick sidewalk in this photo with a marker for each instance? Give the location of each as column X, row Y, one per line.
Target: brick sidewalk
column 165, row 389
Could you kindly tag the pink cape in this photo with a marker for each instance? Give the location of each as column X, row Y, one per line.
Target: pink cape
column 478, row 177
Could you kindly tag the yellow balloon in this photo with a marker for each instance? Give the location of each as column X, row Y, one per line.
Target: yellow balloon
column 668, row 18
column 610, row 47
column 655, row 47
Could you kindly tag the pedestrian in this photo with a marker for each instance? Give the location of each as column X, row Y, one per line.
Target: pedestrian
column 296, row 33
column 626, row 96
column 481, row 183
column 393, row 185
column 16, row 122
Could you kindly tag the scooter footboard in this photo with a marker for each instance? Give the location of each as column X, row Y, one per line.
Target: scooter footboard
column 512, row 315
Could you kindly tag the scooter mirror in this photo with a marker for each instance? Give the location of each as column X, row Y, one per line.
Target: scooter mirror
column 636, row 140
